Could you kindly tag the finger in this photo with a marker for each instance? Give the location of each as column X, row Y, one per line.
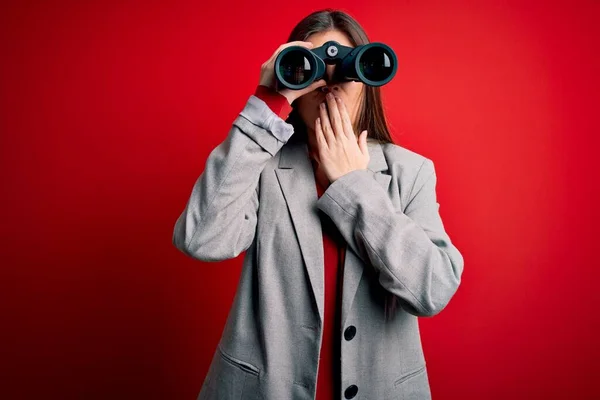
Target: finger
column 334, row 116
column 297, row 43
column 326, row 125
column 308, row 45
column 321, row 142
column 313, row 86
column 346, row 122
column 362, row 142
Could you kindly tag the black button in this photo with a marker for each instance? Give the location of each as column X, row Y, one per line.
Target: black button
column 351, row 391
column 350, row 332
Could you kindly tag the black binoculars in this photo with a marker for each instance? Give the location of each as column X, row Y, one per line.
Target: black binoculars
column 374, row 64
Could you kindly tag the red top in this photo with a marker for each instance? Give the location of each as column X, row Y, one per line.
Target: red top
column 275, row 100
column 333, row 246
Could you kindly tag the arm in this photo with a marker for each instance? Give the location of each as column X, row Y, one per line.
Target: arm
column 219, row 219
column 412, row 252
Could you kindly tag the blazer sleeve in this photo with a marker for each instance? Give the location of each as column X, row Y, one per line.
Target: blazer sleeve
column 219, row 219
column 413, row 254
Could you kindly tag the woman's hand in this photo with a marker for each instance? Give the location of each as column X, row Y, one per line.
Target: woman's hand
column 339, row 151
column 267, row 74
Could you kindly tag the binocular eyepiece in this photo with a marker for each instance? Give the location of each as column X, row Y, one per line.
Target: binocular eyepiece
column 374, row 64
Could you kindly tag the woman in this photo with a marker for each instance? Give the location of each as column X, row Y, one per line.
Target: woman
column 345, row 244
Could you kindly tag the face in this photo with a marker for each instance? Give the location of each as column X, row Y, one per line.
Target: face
column 350, row 92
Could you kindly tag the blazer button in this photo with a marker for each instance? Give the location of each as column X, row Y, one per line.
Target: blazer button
column 350, row 391
column 350, row 332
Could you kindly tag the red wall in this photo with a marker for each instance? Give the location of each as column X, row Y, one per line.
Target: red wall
column 108, row 112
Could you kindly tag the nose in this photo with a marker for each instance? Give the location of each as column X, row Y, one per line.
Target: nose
column 330, row 72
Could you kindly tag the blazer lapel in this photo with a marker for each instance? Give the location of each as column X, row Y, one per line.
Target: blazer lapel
column 297, row 181
column 296, row 178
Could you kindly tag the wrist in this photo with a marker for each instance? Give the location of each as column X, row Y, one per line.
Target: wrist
column 276, row 101
column 288, row 97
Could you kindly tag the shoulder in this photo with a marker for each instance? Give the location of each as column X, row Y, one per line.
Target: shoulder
column 406, row 163
column 410, row 169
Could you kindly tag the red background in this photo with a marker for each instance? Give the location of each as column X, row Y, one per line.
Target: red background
column 109, row 110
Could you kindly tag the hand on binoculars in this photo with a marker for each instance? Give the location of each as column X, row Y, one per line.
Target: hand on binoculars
column 267, row 74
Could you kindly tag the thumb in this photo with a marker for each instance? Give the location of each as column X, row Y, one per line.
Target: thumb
column 362, row 142
column 314, row 85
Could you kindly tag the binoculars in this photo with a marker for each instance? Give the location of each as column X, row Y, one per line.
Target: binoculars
column 374, row 64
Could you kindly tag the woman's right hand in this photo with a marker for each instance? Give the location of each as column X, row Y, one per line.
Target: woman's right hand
column 267, row 74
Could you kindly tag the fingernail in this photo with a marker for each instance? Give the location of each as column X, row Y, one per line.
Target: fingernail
column 329, row 96
column 322, row 105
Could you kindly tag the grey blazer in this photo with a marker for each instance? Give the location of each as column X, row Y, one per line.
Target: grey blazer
column 257, row 194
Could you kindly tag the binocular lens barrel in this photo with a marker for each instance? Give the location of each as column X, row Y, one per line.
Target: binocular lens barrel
column 374, row 64
column 296, row 68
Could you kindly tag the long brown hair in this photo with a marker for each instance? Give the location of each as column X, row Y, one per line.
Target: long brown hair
column 371, row 115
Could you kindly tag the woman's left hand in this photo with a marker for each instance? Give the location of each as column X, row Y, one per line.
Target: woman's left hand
column 339, row 151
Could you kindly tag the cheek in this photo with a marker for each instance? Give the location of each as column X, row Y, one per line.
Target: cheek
column 309, row 111
column 353, row 91
column 307, row 105
column 350, row 93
